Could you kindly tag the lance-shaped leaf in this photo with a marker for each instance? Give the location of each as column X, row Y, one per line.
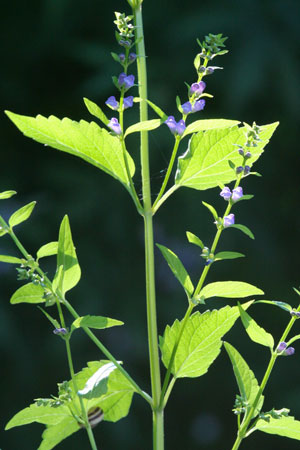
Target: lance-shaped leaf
column 40, row 414
column 230, row 289
column 227, row 255
column 83, row 139
column 247, row 383
column 147, row 125
column 21, row 215
column 205, row 163
column 212, row 210
column 193, row 239
column 96, row 111
column 177, row 268
column 201, row 125
column 283, row 305
column 285, row 426
column 29, row 293
column 243, row 229
column 54, row 434
column 49, row 249
column 7, row 194
column 255, row 332
column 66, row 257
column 11, row 259
column 97, row 322
column 200, row 343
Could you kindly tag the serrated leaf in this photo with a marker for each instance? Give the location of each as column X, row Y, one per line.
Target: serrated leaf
column 40, row 414
column 205, row 163
column 282, row 305
column 227, row 255
column 29, row 293
column 97, row 384
column 10, row 259
column 83, row 139
column 244, row 229
column 200, row 343
column 193, row 239
column 21, row 215
column 7, row 194
column 49, row 249
column 247, row 383
column 143, row 126
column 97, row 322
column 285, row 426
column 96, row 111
column 230, row 289
column 177, row 268
column 212, row 210
column 255, row 332
column 209, row 124
column 66, row 257
column 54, row 434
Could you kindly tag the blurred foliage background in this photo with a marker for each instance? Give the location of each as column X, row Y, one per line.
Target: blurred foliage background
column 55, row 52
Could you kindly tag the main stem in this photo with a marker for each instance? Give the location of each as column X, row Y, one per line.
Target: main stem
column 158, row 433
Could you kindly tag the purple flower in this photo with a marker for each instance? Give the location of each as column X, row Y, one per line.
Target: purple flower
column 114, row 126
column 295, row 313
column 124, row 43
column 289, row 351
column 197, row 88
column 132, row 57
column 126, row 81
column 226, row 193
column 60, row 331
column 237, row 193
column 241, row 151
column 228, row 220
column 122, row 57
column 198, row 105
column 248, row 155
column 112, row 103
column 186, row 108
column 174, row 127
column 239, row 169
column 281, row 347
column 247, row 170
column 128, row 102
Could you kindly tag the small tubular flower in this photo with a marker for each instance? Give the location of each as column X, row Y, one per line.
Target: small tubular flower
column 114, row 125
column 289, row 351
column 197, row 88
column 281, row 347
column 237, row 193
column 228, row 220
column 112, row 103
column 186, row 107
column 128, row 102
column 226, row 193
column 175, row 127
column 198, row 105
column 126, row 81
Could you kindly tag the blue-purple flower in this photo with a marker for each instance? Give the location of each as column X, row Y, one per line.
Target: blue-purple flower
column 126, row 81
column 289, row 351
column 228, row 220
column 237, row 193
column 187, row 107
column 112, row 103
column 175, row 127
column 226, row 193
column 197, row 88
column 60, row 331
column 114, row 125
column 122, row 57
column 132, row 57
column 281, row 347
column 128, row 102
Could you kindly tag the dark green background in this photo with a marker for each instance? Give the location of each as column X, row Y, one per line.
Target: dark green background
column 54, row 52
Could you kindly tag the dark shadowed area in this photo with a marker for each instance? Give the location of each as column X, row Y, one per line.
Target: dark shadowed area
column 54, row 53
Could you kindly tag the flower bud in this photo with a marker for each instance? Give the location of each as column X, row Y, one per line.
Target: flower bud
column 112, row 103
column 132, row 57
column 228, row 220
column 125, row 43
column 197, row 88
column 114, row 125
column 128, row 102
column 239, row 170
column 289, row 351
column 237, row 193
column 121, row 57
column 248, row 155
column 281, row 347
column 247, row 170
column 241, row 151
column 60, row 331
column 295, row 313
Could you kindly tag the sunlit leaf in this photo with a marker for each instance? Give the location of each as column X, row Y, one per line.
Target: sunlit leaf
column 244, row 229
column 7, row 194
column 54, row 434
column 230, row 289
column 29, row 293
column 143, row 126
column 255, row 332
column 40, row 414
column 97, row 322
column 284, row 426
column 193, row 239
column 97, row 384
column 10, row 259
column 21, row 215
column 49, row 249
column 96, row 111
column 227, row 255
column 209, row 124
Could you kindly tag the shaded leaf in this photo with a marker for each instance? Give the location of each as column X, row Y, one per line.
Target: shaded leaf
column 29, row 293
column 228, row 255
column 54, row 322
column 209, row 124
column 97, row 384
column 49, row 249
column 11, row 259
column 212, row 210
column 282, row 305
column 21, row 215
column 244, row 229
column 97, row 322
column 40, row 414
column 54, row 434
column 7, row 194
column 230, row 289
column 255, row 332
column 177, row 268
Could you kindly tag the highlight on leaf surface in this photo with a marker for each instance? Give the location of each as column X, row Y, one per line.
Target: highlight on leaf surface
column 21, row 215
column 29, row 293
column 193, row 239
column 97, row 322
column 7, row 194
column 285, row 426
column 230, row 289
column 49, row 249
column 255, row 332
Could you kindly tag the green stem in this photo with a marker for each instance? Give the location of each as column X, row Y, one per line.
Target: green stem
column 169, row 171
column 164, row 197
column 158, row 434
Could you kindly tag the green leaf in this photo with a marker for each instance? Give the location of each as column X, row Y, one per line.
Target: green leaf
column 205, row 163
column 97, row 384
column 29, row 293
column 178, row 269
column 96, row 111
column 49, row 249
column 209, row 124
column 40, row 414
column 83, row 139
column 21, row 215
column 7, row 194
column 227, row 255
column 143, row 126
column 230, row 289
column 255, row 332
column 244, row 229
column 57, row 284
column 97, row 322
column 11, row 259
column 244, row 197
column 282, row 305
column 54, row 434
column 247, row 383
column 285, row 426
column 155, row 108
column 193, row 239
column 212, row 210
column 54, row 322
column 200, row 343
